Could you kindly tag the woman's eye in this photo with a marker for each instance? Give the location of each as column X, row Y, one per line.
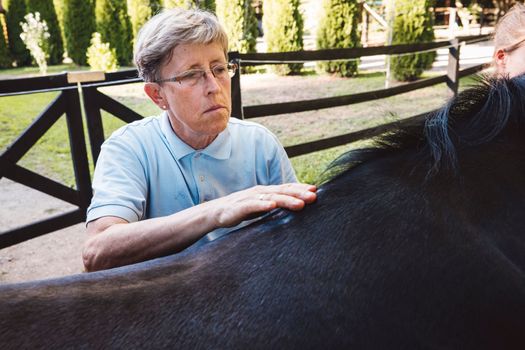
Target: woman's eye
column 190, row 75
column 219, row 70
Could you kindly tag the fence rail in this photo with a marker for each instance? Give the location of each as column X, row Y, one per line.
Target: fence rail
column 68, row 103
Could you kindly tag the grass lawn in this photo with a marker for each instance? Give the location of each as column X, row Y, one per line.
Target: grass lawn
column 51, row 154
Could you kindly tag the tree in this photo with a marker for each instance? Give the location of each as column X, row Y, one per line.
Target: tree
column 78, row 32
column 5, row 57
column 203, row 4
column 114, row 26
column 238, row 19
column 412, row 24
column 338, row 28
column 59, row 9
column 16, row 10
column 140, row 11
column 55, row 46
column 283, row 30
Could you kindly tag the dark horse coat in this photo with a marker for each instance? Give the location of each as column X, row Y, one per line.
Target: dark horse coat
column 417, row 243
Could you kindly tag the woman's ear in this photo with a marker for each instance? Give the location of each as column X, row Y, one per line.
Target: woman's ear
column 500, row 59
column 155, row 94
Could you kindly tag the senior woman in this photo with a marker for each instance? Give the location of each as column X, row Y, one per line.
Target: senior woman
column 509, row 43
column 164, row 182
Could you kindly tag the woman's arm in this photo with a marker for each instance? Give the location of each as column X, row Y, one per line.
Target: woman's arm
column 114, row 242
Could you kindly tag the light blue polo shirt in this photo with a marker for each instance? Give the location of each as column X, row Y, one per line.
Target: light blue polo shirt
column 145, row 171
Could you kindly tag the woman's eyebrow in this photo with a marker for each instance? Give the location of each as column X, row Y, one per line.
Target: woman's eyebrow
column 198, row 66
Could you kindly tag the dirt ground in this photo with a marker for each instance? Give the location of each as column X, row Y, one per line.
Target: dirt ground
column 52, row 255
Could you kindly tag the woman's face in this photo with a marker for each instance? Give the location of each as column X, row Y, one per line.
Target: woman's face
column 199, row 110
column 511, row 61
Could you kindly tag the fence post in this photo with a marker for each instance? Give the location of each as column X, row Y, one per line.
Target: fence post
column 91, row 109
column 77, row 142
column 93, row 120
column 453, row 67
column 236, row 87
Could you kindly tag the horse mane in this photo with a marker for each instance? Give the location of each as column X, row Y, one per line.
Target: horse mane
column 474, row 117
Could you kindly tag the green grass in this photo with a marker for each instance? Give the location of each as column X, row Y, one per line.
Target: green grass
column 51, row 155
column 33, row 71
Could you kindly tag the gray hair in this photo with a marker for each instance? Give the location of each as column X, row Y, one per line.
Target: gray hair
column 170, row 28
column 510, row 29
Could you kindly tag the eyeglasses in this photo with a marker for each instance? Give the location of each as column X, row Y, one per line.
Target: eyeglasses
column 514, row 46
column 193, row 77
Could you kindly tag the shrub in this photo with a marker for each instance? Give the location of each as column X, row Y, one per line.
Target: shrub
column 78, row 32
column 238, row 19
column 140, row 11
column 100, row 56
column 34, row 35
column 55, row 46
column 16, row 11
column 338, row 28
column 203, row 4
column 412, row 24
column 283, row 31
column 114, row 26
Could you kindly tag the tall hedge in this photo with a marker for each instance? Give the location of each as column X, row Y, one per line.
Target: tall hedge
column 114, row 26
column 59, row 9
column 203, row 4
column 47, row 12
column 412, row 24
column 140, row 11
column 283, row 30
column 338, row 28
column 16, row 10
column 78, row 32
column 5, row 56
column 238, row 19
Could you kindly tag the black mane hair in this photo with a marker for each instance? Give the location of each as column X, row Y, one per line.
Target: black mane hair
column 476, row 116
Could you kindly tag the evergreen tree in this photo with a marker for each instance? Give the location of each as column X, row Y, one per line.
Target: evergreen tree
column 283, row 30
column 59, row 9
column 16, row 10
column 238, row 19
column 114, row 26
column 338, row 28
column 55, row 47
column 5, row 57
column 412, row 24
column 79, row 24
column 140, row 11
column 203, row 4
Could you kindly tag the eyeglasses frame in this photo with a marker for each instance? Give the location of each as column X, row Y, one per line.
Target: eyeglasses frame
column 231, row 67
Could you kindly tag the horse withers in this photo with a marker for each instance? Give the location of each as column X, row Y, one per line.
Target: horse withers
column 416, row 243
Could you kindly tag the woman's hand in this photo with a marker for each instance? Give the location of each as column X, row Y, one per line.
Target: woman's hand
column 239, row 206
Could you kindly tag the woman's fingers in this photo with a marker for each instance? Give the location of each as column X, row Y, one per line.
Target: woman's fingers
column 304, row 192
column 285, row 201
column 291, row 196
column 239, row 206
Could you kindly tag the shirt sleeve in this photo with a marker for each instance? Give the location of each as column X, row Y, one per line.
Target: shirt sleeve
column 119, row 182
column 279, row 166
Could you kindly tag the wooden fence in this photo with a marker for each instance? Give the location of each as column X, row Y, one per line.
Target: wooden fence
column 68, row 103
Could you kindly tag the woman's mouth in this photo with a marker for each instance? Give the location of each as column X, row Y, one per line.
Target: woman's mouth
column 214, row 108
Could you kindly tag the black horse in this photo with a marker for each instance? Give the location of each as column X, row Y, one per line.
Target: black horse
column 416, row 243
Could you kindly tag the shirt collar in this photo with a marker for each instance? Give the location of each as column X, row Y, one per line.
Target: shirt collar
column 220, row 148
